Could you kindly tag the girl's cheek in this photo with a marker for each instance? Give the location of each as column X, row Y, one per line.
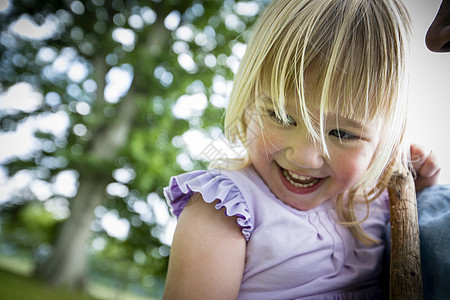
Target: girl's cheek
column 273, row 140
column 352, row 163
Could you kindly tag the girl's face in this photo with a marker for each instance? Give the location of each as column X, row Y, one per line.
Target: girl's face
column 295, row 168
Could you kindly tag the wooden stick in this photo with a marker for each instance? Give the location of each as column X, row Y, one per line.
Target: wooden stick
column 405, row 268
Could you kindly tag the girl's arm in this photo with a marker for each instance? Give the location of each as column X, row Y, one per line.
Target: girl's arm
column 207, row 255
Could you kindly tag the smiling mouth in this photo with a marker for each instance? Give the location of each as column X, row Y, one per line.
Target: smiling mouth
column 298, row 180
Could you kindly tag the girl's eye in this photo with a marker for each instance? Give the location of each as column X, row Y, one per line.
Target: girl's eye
column 273, row 115
column 343, row 135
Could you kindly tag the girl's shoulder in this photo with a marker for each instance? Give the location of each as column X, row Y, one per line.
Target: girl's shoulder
column 226, row 188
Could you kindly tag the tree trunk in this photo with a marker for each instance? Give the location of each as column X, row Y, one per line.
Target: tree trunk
column 405, row 269
column 67, row 265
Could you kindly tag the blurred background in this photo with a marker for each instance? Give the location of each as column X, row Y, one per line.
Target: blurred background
column 100, row 103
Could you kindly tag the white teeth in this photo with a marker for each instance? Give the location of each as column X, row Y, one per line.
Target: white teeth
column 295, row 176
column 288, row 174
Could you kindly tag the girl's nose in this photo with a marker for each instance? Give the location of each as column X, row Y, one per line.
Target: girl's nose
column 304, row 153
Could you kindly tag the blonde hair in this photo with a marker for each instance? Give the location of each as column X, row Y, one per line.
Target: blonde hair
column 355, row 48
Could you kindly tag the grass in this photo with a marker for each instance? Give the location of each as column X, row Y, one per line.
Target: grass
column 17, row 284
column 18, row 287
column 103, row 292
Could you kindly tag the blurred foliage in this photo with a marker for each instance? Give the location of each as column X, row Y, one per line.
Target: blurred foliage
column 136, row 132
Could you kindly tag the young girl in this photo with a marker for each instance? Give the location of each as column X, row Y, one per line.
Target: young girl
column 317, row 103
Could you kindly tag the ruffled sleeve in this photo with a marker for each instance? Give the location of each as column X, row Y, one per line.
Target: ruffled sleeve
column 213, row 186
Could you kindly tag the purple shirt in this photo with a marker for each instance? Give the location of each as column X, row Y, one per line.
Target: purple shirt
column 291, row 254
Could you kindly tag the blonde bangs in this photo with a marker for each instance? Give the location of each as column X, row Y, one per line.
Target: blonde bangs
column 356, row 71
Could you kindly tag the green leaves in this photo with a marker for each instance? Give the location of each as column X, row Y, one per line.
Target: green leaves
column 166, row 57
